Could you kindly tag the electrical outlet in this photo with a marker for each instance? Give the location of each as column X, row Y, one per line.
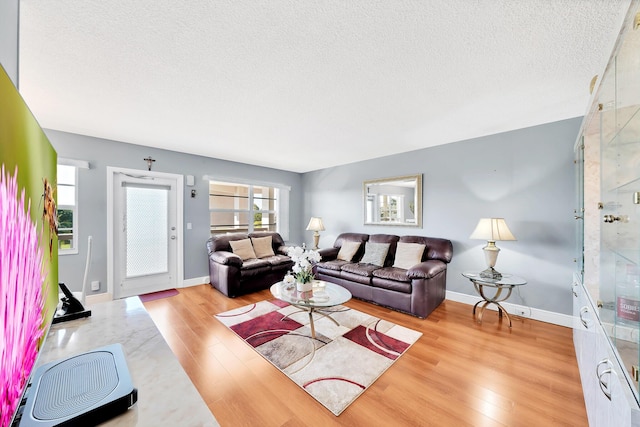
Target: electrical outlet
column 523, row 311
column 95, row 285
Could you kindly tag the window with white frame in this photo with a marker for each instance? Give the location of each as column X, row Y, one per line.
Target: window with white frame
column 391, row 208
column 239, row 207
column 67, row 190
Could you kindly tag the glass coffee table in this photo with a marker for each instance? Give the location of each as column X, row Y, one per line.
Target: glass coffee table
column 319, row 299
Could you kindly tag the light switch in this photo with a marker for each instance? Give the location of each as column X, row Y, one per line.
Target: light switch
column 188, row 226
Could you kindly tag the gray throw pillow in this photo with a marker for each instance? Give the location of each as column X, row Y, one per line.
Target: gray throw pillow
column 375, row 253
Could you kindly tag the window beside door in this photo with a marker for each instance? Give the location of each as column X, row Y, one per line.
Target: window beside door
column 235, row 207
column 67, row 189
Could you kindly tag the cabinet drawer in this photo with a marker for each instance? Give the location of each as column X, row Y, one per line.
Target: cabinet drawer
column 608, row 398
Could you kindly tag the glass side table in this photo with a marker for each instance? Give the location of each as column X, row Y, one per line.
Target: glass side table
column 508, row 282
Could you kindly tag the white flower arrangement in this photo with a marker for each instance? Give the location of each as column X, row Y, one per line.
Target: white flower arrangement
column 303, row 259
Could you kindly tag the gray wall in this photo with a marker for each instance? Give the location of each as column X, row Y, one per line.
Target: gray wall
column 9, row 18
column 525, row 176
column 92, row 203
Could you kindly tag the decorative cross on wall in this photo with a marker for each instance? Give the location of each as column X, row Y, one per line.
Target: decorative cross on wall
column 149, row 161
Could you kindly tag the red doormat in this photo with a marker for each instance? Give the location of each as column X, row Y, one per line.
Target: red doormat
column 157, row 295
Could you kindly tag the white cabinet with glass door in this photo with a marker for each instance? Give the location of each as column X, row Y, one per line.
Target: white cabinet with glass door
column 608, row 351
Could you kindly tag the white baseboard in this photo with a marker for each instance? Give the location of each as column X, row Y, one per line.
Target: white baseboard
column 108, row 296
column 195, row 281
column 518, row 310
column 94, row 299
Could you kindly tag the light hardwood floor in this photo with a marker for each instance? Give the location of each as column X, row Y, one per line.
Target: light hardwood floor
column 457, row 374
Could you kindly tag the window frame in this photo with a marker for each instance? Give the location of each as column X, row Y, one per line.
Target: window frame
column 281, row 209
column 73, row 208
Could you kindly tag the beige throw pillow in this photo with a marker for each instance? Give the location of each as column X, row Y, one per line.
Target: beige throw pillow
column 348, row 250
column 375, row 253
column 408, row 255
column 262, row 246
column 242, row 248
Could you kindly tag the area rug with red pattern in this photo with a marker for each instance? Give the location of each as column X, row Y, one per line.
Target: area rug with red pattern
column 339, row 364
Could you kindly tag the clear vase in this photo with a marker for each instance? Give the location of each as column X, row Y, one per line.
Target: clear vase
column 304, row 287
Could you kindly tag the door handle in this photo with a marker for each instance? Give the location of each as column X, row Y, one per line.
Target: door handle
column 613, row 218
column 584, row 321
column 604, row 385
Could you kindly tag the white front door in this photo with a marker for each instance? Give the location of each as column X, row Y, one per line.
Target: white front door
column 146, row 232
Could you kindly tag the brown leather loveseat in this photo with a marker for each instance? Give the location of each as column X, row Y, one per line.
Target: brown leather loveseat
column 257, row 261
column 405, row 273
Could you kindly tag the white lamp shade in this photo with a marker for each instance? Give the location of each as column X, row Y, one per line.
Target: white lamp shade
column 315, row 224
column 492, row 229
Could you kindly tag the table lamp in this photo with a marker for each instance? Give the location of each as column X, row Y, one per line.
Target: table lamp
column 491, row 229
column 315, row 225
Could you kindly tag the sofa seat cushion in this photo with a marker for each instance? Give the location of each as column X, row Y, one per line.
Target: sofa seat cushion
column 277, row 259
column 392, row 285
column 254, row 264
column 392, row 273
column 356, row 278
column 330, row 268
column 360, row 269
column 335, row 265
column 279, row 262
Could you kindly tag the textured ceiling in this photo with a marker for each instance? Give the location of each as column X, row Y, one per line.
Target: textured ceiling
column 304, row 85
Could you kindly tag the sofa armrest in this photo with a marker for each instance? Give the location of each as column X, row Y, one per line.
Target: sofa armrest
column 327, row 254
column 226, row 258
column 426, row 269
column 282, row 250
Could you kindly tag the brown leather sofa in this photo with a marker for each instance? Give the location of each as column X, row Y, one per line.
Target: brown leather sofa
column 416, row 290
column 232, row 276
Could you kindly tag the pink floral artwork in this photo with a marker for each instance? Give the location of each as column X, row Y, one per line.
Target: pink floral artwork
column 21, row 295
